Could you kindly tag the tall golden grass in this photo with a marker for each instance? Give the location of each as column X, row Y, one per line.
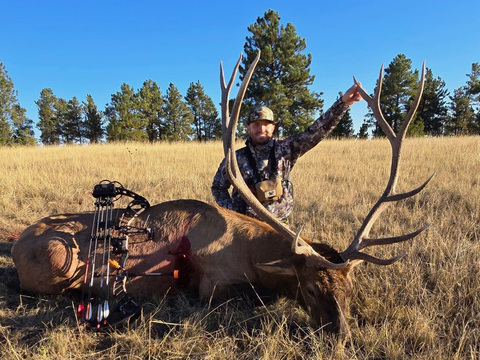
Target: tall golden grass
column 426, row 306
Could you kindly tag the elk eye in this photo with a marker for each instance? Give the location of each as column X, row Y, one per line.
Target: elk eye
column 310, row 291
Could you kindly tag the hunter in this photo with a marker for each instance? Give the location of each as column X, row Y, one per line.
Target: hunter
column 266, row 162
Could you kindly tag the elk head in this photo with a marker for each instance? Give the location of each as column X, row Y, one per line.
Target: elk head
column 321, row 273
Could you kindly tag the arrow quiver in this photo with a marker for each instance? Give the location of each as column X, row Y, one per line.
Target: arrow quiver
column 109, row 239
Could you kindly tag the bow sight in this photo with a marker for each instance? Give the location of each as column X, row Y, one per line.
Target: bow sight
column 109, row 239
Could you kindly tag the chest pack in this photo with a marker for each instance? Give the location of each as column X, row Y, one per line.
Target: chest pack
column 265, row 190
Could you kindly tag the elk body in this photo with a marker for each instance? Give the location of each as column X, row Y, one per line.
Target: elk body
column 214, row 248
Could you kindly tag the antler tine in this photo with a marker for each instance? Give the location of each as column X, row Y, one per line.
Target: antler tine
column 375, row 260
column 413, row 108
column 405, row 195
column 366, row 242
column 374, row 104
column 225, row 95
column 361, row 240
column 229, row 127
column 229, row 149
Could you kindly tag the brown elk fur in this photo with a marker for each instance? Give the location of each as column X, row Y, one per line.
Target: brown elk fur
column 212, row 247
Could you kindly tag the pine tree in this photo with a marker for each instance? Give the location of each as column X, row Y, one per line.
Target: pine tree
column 206, row 124
column 15, row 128
column 473, row 90
column 124, row 121
column 282, row 76
column 462, row 119
column 22, row 127
column 177, row 116
column 193, row 100
column 363, row 131
column 72, row 124
column 61, row 116
column 344, row 129
column 212, row 123
column 398, row 91
column 48, row 122
column 432, row 109
column 93, row 124
column 150, row 108
column 7, row 95
column 473, row 84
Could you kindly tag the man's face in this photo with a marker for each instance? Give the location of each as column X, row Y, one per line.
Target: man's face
column 261, row 131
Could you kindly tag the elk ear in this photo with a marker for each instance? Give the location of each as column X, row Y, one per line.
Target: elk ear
column 277, row 267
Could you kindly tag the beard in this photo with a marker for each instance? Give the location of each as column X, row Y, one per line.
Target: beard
column 261, row 139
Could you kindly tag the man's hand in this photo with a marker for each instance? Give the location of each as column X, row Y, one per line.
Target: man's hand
column 352, row 95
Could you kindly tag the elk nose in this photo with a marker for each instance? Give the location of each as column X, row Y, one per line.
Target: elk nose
column 334, row 326
column 333, row 320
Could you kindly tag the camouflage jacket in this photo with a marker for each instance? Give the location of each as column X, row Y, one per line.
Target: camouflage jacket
column 287, row 152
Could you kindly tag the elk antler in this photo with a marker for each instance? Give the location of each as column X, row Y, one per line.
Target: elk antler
column 361, row 239
column 229, row 127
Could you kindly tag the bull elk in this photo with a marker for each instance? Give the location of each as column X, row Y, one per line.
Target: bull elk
column 215, row 248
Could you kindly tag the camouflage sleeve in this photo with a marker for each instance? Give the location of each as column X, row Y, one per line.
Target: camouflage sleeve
column 220, row 186
column 306, row 140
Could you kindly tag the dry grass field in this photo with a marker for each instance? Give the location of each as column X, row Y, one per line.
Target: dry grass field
column 426, row 306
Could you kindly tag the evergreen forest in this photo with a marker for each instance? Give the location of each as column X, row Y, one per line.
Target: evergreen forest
column 281, row 81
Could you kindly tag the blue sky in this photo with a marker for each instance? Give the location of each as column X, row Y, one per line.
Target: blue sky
column 92, row 47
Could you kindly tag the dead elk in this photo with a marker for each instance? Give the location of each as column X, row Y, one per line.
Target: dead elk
column 214, row 247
